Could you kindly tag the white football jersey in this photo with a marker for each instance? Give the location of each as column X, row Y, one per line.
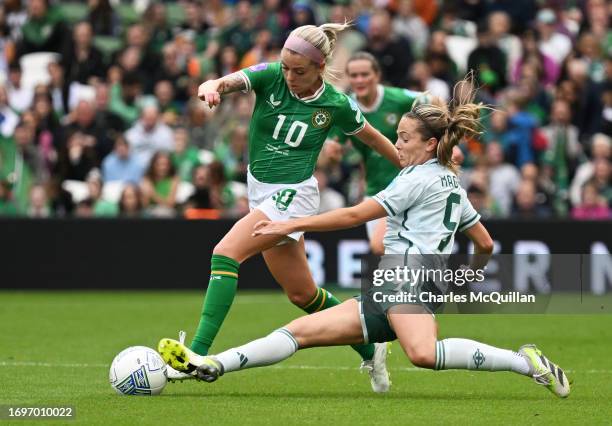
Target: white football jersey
column 426, row 206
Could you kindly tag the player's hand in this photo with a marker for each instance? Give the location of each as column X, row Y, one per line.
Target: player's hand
column 267, row 227
column 209, row 93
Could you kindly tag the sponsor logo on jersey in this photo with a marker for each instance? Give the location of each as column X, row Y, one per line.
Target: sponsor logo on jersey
column 273, row 103
column 258, row 67
column 321, row 119
column 391, row 119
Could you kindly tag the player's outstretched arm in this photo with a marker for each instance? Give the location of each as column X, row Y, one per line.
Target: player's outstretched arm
column 210, row 91
column 336, row 219
column 378, row 142
column 483, row 245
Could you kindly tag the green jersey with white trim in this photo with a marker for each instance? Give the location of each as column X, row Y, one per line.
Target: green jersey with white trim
column 391, row 103
column 426, row 207
column 287, row 132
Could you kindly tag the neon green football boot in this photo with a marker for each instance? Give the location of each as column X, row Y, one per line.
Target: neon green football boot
column 544, row 372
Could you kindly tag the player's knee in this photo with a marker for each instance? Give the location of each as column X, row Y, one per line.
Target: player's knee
column 422, row 356
column 225, row 249
column 300, row 298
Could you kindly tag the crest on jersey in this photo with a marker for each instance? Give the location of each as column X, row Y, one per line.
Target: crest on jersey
column 391, row 119
column 321, row 119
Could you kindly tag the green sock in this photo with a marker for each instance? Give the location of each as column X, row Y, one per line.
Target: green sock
column 323, row 300
column 219, row 297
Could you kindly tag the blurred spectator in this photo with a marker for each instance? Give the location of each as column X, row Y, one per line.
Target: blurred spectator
column 552, row 43
column 392, row 52
column 103, row 19
column 84, row 209
column 159, row 186
column 81, row 60
column 221, row 195
column 601, row 148
column 7, row 207
column 517, row 140
column 200, row 199
column 83, row 120
column 547, row 70
column 100, row 206
column 504, row 178
column 438, row 59
column 487, row 61
column 587, row 113
column 121, row 165
column 602, row 178
column 482, row 202
column 26, row 152
column 330, row 162
column 593, row 206
column 60, row 200
column 330, row 198
column 149, row 135
column 240, row 34
column 172, row 70
column 8, row 117
column 19, row 97
column 155, row 19
column 411, row 26
column 425, row 82
column 234, row 154
column 105, row 118
column 77, row 157
column 130, row 202
column 124, row 98
column 44, row 30
column 38, row 205
column 563, row 149
column 184, row 157
column 499, row 26
column 606, row 100
column 169, row 108
column 525, row 203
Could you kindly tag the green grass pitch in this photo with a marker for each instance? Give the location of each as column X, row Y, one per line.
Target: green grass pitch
column 57, row 347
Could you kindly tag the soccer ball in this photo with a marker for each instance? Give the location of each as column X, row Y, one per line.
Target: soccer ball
column 138, row 370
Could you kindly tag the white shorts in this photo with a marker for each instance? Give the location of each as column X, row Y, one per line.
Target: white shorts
column 284, row 201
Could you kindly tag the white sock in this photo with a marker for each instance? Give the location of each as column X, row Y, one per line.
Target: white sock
column 275, row 347
column 465, row 354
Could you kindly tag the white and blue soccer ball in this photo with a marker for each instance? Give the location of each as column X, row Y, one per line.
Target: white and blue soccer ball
column 138, row 370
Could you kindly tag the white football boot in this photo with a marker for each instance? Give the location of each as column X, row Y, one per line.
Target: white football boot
column 377, row 368
column 544, row 372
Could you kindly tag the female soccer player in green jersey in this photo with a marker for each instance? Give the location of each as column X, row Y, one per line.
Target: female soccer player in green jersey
column 382, row 106
column 294, row 110
column 425, row 207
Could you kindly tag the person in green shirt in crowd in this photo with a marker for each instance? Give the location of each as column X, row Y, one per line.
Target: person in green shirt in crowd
column 160, row 184
column 7, row 208
column 185, row 157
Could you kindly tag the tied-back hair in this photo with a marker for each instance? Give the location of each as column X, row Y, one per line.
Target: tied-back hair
column 449, row 123
column 324, row 38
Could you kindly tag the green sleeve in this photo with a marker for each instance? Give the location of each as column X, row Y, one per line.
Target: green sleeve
column 128, row 113
column 349, row 118
column 260, row 75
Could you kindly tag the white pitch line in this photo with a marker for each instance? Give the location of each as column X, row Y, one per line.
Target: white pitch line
column 278, row 367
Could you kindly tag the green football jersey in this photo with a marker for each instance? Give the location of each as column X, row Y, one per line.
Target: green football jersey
column 287, row 133
column 384, row 115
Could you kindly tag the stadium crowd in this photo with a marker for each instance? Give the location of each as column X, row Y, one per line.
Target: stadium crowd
column 99, row 114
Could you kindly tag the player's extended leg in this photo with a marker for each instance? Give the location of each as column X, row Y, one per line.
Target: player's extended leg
column 289, row 266
column 339, row 325
column 237, row 246
column 417, row 332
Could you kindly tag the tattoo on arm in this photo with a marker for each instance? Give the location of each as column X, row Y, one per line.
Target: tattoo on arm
column 231, row 83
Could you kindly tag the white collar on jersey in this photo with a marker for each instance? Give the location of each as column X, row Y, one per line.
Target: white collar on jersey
column 316, row 95
column 380, row 94
column 430, row 161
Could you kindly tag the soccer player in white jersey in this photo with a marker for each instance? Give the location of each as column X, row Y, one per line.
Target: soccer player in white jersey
column 425, row 208
column 295, row 109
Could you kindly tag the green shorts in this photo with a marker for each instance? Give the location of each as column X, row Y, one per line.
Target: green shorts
column 373, row 312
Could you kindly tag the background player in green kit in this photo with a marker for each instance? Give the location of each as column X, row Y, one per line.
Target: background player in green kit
column 426, row 207
column 294, row 111
column 383, row 107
